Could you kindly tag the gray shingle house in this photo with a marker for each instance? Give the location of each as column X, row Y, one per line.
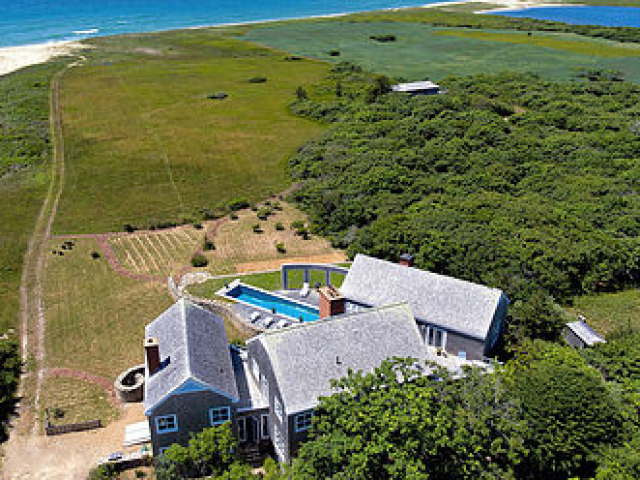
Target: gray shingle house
column 460, row 317
column 194, row 379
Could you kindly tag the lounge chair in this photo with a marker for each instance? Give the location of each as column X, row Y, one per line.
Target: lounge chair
column 304, row 291
column 282, row 324
column 254, row 316
column 267, row 322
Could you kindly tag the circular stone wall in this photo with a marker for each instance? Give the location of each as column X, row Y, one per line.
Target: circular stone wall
column 130, row 384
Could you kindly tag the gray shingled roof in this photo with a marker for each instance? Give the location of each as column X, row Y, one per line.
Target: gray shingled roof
column 457, row 305
column 194, row 343
column 585, row 333
column 306, row 357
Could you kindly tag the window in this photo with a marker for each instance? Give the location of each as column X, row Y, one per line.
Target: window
column 277, row 406
column 436, row 337
column 255, row 369
column 264, row 426
column 166, row 424
column 302, row 421
column 264, row 386
column 242, row 429
column 218, row 415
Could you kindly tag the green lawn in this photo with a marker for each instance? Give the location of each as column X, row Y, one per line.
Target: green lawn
column 144, row 144
column 424, row 51
column 608, row 312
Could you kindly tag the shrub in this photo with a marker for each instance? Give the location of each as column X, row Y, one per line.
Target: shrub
column 233, row 216
column 254, row 208
column 217, row 96
column 279, row 226
column 129, row 228
column 95, row 255
column 301, row 94
column 296, row 225
column 257, row 80
column 383, row 38
column 105, row 471
column 238, row 204
column 209, row 245
column 334, row 53
column 199, row 260
column 264, row 213
column 256, row 228
column 292, row 58
column 197, row 226
column 277, row 206
column 280, row 248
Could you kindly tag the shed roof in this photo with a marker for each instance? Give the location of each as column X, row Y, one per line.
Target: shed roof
column 585, row 333
column 305, row 357
column 453, row 304
column 193, row 347
column 415, row 86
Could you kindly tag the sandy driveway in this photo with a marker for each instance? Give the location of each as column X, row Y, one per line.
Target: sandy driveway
column 69, row 456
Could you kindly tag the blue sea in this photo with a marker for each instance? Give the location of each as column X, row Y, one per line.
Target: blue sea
column 586, row 15
column 25, row 22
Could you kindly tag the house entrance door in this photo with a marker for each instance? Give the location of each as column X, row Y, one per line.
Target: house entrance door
column 252, row 429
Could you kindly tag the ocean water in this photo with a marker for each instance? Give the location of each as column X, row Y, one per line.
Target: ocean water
column 587, row 15
column 25, row 22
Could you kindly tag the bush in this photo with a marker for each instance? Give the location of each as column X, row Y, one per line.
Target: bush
column 264, row 213
column 197, row 226
column 256, row 228
column 238, row 204
column 233, row 216
column 383, row 38
column 129, row 228
column 103, row 472
column 292, row 58
column 208, row 245
column 334, row 53
column 280, row 248
column 217, row 96
column 95, row 255
column 279, row 226
column 199, row 260
column 257, row 80
column 298, row 224
column 254, row 208
column 277, row 206
column 11, row 367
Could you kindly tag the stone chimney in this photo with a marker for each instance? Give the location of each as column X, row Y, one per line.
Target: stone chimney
column 332, row 302
column 406, row 259
column 152, row 355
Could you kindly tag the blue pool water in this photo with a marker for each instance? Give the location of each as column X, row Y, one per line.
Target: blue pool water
column 587, row 15
column 269, row 301
column 25, row 22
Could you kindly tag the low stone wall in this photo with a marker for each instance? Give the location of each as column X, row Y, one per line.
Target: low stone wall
column 72, row 427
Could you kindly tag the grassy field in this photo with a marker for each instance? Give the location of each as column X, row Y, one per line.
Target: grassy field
column 424, row 51
column 240, row 249
column 24, row 176
column 95, row 317
column 609, row 311
column 145, row 144
column 77, row 400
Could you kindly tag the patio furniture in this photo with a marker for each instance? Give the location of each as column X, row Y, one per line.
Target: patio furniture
column 254, row 316
column 304, row 291
column 267, row 322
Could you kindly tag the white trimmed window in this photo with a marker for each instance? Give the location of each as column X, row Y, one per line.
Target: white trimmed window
column 219, row 415
column 264, row 426
column 302, row 421
column 436, row 337
column 167, row 424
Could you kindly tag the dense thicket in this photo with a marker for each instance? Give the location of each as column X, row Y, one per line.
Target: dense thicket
column 547, row 415
column 440, row 18
column 507, row 180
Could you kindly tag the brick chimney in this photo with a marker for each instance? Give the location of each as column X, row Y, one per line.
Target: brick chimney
column 406, row 259
column 332, row 302
column 152, row 355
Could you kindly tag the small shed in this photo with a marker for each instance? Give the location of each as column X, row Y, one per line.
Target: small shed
column 417, row 88
column 580, row 335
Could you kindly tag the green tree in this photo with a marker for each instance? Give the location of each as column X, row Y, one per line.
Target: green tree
column 569, row 410
column 210, row 452
column 9, row 376
column 396, row 422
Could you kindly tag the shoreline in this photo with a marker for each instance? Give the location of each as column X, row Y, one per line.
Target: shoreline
column 14, row 58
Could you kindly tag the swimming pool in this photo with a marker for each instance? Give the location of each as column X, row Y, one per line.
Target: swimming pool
column 270, row 302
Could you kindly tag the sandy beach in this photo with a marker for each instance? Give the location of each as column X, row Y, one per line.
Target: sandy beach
column 14, row 58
